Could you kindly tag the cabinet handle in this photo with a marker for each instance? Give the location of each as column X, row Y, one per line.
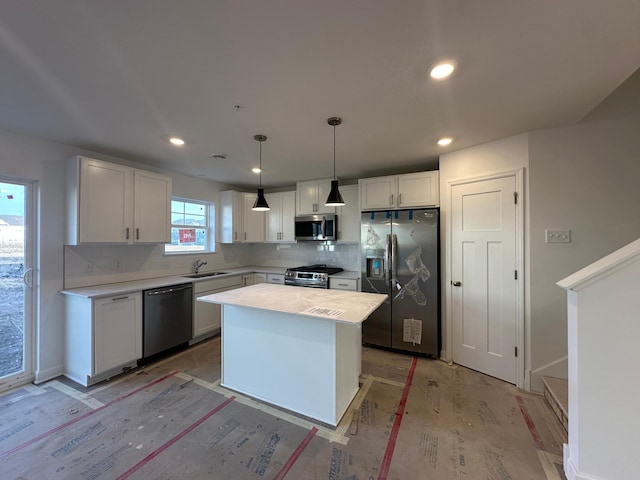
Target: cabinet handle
column 114, row 299
column 245, row 235
column 399, row 199
column 137, row 234
column 235, row 235
column 391, row 199
column 343, row 284
column 126, row 235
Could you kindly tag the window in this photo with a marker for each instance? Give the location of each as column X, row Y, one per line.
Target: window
column 192, row 224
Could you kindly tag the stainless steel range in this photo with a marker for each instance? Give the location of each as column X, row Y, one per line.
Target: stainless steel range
column 316, row 276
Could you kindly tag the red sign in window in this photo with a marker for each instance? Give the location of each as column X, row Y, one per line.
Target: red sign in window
column 187, row 235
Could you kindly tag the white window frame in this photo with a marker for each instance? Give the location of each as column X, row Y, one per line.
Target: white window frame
column 209, row 227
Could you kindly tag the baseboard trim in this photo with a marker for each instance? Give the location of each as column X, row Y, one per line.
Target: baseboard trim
column 48, row 374
column 570, row 469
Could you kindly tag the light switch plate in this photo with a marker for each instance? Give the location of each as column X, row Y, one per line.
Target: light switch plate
column 557, row 236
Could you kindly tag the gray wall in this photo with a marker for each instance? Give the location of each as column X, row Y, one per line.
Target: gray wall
column 583, row 178
column 29, row 158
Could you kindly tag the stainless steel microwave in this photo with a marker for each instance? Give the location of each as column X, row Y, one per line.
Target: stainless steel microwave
column 317, row 227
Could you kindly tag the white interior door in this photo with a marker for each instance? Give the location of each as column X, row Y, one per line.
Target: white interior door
column 484, row 284
column 17, row 281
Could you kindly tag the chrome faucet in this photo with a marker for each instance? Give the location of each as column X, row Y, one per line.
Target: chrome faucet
column 197, row 264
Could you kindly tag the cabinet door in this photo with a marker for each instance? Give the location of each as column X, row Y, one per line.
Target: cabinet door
column 152, row 207
column 306, row 197
column 104, row 202
column 117, row 331
column 247, row 279
column 231, row 205
column 377, row 192
column 273, row 218
column 418, row 189
column 259, row 278
column 288, row 210
column 280, row 220
column 252, row 222
column 323, row 188
column 349, row 215
column 206, row 316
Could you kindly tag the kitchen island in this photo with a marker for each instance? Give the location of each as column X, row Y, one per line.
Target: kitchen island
column 295, row 347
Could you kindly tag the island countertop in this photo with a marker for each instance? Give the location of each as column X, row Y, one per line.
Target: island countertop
column 337, row 305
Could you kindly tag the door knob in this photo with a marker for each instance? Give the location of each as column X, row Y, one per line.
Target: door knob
column 456, row 284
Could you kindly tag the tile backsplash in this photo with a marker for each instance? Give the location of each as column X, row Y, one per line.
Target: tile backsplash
column 345, row 255
column 88, row 265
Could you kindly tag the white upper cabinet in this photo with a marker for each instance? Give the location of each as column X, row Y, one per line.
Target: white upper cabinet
column 240, row 224
column 152, row 207
column 311, row 195
column 111, row 203
column 231, row 204
column 280, row 220
column 349, row 215
column 420, row 189
column 377, row 192
column 400, row 191
column 252, row 221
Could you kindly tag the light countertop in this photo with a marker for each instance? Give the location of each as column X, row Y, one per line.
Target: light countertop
column 110, row 289
column 120, row 288
column 336, row 305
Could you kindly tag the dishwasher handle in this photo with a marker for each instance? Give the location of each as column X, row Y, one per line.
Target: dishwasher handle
column 177, row 288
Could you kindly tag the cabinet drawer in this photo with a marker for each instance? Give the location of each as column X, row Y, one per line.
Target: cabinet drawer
column 343, row 284
column 275, row 278
column 217, row 283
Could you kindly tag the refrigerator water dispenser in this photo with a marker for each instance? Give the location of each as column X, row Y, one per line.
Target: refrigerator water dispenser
column 375, row 268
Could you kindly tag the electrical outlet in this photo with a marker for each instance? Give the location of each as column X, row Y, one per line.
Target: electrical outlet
column 117, row 265
column 89, row 266
column 557, row 236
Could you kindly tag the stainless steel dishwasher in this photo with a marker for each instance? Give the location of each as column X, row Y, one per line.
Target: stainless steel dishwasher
column 167, row 318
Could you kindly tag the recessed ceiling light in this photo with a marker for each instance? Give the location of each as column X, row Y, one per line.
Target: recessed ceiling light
column 442, row 70
column 178, row 142
column 256, row 170
column 445, row 141
column 219, row 156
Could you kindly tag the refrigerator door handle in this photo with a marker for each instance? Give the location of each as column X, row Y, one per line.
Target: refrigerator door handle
column 387, row 258
column 394, row 255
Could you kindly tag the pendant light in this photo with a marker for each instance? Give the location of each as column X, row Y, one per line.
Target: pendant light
column 334, row 199
column 260, row 204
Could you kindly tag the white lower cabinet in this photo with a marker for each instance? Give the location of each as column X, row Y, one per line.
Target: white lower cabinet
column 206, row 316
column 259, row 278
column 103, row 336
column 248, row 279
column 337, row 283
column 275, row 278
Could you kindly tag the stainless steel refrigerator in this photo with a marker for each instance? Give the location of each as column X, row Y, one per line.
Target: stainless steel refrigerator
column 400, row 257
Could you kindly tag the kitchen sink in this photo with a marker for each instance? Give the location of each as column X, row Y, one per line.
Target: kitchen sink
column 202, row 275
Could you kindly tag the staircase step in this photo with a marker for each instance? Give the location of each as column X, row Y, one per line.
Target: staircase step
column 556, row 392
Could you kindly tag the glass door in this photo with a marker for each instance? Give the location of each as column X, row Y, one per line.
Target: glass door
column 17, row 278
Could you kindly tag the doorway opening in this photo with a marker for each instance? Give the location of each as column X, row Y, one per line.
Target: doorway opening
column 17, row 235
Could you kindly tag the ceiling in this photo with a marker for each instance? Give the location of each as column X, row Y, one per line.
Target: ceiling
column 119, row 77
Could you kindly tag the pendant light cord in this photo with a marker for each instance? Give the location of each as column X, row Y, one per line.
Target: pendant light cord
column 261, row 163
column 334, row 152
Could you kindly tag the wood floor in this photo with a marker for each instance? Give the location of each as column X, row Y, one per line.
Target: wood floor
column 413, row 418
